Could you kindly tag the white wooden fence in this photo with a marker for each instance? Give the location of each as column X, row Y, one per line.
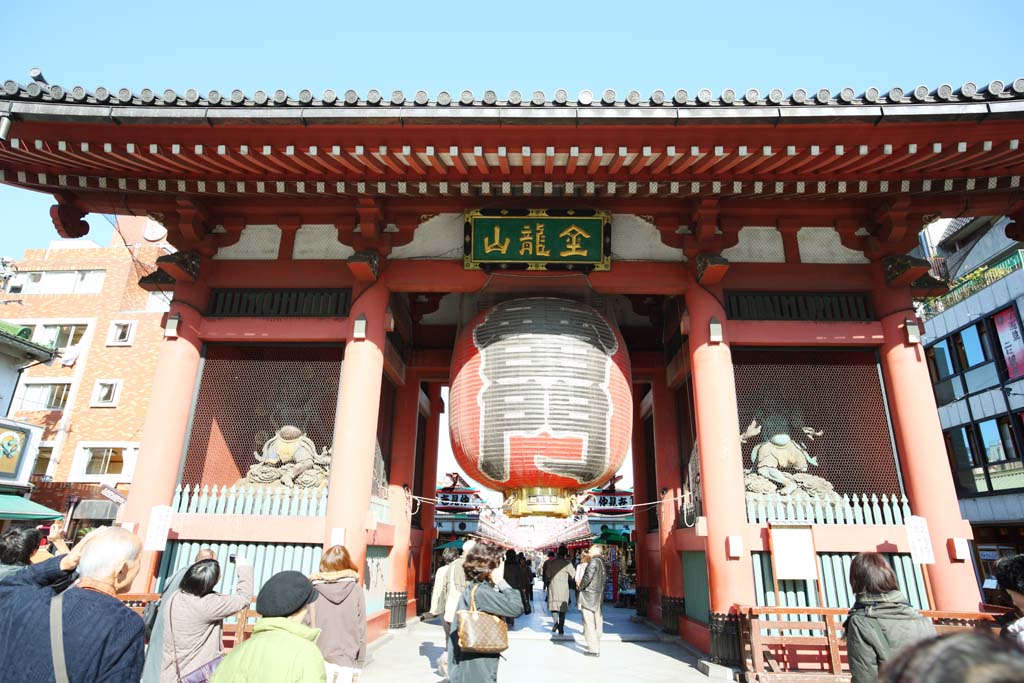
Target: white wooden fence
column 845, row 509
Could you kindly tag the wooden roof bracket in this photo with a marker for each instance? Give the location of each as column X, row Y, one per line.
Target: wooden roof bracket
column 68, row 219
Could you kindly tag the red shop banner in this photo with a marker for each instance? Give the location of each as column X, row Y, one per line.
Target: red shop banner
column 1008, row 328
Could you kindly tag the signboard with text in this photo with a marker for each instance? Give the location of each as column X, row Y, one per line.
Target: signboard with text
column 538, row 239
column 1011, row 342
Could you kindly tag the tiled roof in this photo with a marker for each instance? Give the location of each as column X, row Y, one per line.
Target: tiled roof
column 728, row 99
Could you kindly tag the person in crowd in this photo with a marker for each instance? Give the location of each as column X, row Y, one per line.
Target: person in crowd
column 962, row 657
column 155, row 648
column 591, row 599
column 544, row 571
column 193, row 617
column 578, row 575
column 439, row 600
column 101, row 639
column 340, row 614
column 487, row 589
column 512, row 576
column 16, row 549
column 557, row 573
column 1009, row 573
column 525, row 583
column 281, row 649
column 456, row 584
column 881, row 621
column 439, row 595
column 51, row 544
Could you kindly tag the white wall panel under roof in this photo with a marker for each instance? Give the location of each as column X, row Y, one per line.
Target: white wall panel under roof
column 439, row 237
column 634, row 239
column 757, row 244
column 257, row 243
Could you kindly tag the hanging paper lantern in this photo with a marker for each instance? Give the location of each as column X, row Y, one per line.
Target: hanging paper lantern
column 541, row 402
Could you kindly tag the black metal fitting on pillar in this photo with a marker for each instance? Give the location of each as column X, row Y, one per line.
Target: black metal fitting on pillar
column 396, row 602
column 643, row 596
column 671, row 609
column 424, row 591
column 726, row 648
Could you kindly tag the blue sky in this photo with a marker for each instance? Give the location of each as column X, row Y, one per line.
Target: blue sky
column 528, row 45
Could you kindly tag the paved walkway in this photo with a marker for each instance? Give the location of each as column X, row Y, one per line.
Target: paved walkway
column 630, row 651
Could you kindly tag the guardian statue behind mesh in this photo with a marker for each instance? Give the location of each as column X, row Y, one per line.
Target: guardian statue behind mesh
column 289, row 458
column 781, row 451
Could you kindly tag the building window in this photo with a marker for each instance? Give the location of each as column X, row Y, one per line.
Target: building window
column 49, row 396
column 104, row 461
column 61, row 336
column 43, row 460
column 121, row 333
column 158, row 302
column 57, row 282
column 106, row 393
column 986, row 456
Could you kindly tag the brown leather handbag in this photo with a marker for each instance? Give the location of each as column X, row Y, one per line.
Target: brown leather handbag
column 480, row 632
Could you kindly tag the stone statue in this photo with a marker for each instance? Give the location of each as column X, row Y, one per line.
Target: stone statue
column 778, row 452
column 290, row 459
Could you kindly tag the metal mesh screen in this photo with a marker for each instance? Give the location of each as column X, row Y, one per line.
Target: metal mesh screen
column 836, row 392
column 247, row 393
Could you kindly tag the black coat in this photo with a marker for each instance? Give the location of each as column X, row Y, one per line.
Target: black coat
column 465, row 667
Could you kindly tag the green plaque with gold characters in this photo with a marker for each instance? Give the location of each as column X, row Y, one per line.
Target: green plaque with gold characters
column 538, row 239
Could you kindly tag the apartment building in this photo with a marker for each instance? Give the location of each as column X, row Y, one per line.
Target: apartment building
column 974, row 342
column 84, row 300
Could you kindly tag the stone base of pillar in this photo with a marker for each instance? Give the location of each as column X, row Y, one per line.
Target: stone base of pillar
column 726, row 648
column 643, row 596
column 397, row 602
column 424, row 591
column 671, row 609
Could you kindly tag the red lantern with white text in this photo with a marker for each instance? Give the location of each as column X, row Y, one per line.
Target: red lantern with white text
column 541, row 402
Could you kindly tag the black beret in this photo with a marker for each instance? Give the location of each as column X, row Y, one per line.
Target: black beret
column 284, row 594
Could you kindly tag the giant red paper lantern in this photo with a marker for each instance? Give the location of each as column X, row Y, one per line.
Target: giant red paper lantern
column 540, row 402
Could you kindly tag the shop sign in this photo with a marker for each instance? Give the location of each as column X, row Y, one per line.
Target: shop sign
column 611, row 501
column 455, row 500
column 538, row 239
column 113, row 495
column 1008, row 328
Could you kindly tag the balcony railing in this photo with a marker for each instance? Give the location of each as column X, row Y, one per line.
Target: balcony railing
column 846, row 509
column 249, row 500
column 972, row 283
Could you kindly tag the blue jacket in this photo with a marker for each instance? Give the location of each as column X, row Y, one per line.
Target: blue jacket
column 103, row 639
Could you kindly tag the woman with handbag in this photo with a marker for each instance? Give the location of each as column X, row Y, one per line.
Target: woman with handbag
column 479, row 633
column 193, row 620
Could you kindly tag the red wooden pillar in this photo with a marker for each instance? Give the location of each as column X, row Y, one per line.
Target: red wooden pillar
column 730, row 579
column 403, row 469
column 355, row 427
column 667, row 468
column 163, row 433
column 646, row 578
column 429, row 466
column 926, row 472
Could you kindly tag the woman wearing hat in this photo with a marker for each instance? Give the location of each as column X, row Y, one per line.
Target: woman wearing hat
column 281, row 649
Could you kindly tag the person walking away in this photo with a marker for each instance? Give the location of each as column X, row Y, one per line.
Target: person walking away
column 487, row 590
column 591, row 599
column 438, row 601
column 340, row 614
column 456, row 583
column 544, row 572
column 100, row 639
column 881, row 621
column 194, row 618
column 281, row 649
column 525, row 583
column 155, row 647
column 557, row 574
column 513, row 577
column 578, row 575
column 1009, row 572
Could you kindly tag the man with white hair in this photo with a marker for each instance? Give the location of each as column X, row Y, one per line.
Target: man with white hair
column 99, row 639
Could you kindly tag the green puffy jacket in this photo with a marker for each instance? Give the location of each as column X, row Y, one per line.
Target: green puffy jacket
column 880, row 625
column 279, row 651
